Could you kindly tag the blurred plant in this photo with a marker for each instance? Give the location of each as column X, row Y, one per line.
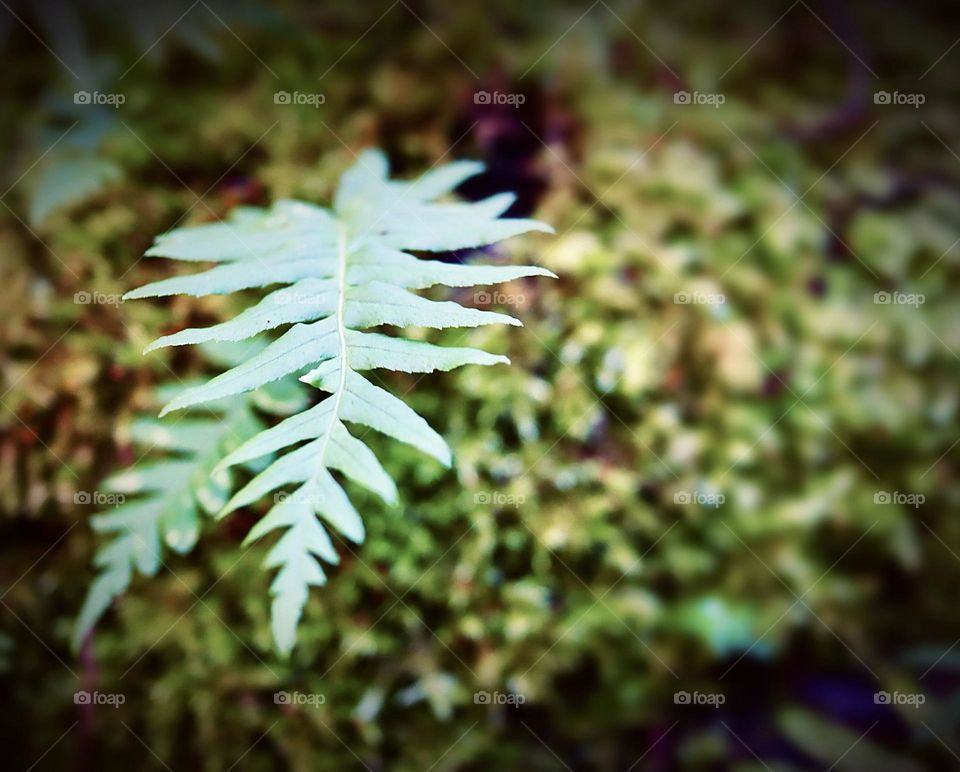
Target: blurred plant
column 168, row 495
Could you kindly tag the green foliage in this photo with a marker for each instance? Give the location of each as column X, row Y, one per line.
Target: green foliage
column 847, row 750
column 170, row 493
column 75, row 166
column 346, row 270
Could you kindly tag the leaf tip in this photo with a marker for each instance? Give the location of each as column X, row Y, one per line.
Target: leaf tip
column 79, row 635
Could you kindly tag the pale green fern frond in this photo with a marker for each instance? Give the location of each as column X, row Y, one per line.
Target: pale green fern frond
column 159, row 502
column 347, row 270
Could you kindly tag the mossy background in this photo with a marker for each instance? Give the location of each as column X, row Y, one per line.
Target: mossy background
column 556, row 560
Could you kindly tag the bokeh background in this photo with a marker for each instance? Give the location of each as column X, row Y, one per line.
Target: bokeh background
column 708, row 518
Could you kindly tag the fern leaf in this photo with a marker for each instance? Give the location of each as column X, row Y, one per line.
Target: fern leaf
column 168, row 496
column 290, row 353
column 347, row 270
column 369, row 405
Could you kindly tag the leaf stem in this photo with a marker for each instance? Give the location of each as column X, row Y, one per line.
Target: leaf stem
column 341, row 334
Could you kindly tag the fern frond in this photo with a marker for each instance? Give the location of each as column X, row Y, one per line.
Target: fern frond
column 169, row 492
column 347, row 270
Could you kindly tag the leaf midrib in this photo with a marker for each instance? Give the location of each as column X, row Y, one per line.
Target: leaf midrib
column 341, row 337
